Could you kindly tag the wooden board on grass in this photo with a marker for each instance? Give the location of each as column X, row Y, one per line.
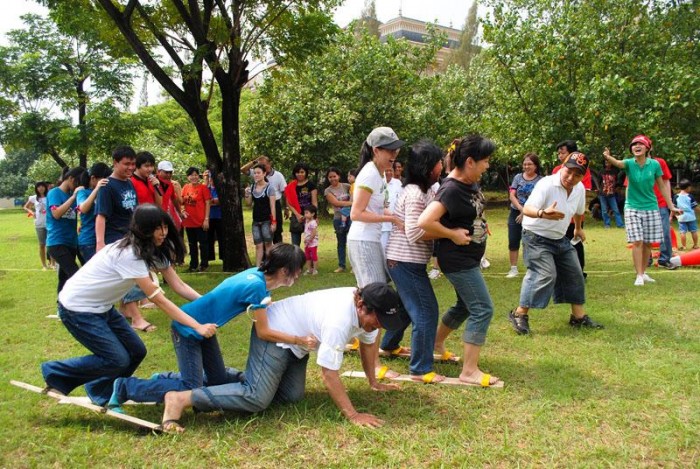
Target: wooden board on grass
column 383, row 353
column 88, row 405
column 450, row 381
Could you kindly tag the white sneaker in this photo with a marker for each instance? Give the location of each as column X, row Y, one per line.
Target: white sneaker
column 512, row 273
column 639, row 281
column 648, row 279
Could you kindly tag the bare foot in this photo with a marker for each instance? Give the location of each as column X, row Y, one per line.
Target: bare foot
column 175, row 404
column 478, row 377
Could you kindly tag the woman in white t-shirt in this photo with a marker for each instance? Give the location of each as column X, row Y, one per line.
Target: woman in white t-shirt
column 85, row 305
column 368, row 210
column 36, row 207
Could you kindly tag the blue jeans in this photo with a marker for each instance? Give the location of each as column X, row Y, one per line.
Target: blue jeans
column 665, row 250
column 117, row 352
column 86, row 252
column 418, row 297
column 473, row 305
column 272, row 374
column 199, row 362
column 609, row 202
column 341, row 234
column 552, row 269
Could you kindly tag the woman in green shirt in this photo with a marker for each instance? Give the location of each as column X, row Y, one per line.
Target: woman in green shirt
column 642, row 218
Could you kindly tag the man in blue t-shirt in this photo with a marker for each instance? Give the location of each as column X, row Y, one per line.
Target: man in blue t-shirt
column 116, row 203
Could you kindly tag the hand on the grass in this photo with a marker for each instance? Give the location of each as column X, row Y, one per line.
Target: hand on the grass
column 385, row 387
column 206, row 330
column 366, row 420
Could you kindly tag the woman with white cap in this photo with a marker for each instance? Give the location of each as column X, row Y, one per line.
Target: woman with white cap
column 642, row 218
column 368, row 211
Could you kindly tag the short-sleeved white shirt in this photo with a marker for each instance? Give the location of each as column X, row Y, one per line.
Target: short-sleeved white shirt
column 545, row 193
column 371, row 181
column 393, row 190
column 103, row 281
column 329, row 315
column 277, row 182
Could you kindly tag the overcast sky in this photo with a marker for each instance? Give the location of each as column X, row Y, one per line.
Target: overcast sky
column 444, row 12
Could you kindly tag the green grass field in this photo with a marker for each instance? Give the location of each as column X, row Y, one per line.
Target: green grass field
column 626, row 396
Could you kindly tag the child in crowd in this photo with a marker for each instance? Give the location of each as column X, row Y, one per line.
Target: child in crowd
column 345, row 211
column 311, row 239
column 687, row 221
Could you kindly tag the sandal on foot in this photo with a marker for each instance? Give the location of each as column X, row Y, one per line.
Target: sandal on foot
column 355, row 345
column 172, row 426
column 484, row 382
column 447, row 356
column 428, row 378
column 385, row 372
column 147, row 328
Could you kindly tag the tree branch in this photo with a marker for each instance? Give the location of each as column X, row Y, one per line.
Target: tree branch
column 127, row 30
column 159, row 36
column 253, row 36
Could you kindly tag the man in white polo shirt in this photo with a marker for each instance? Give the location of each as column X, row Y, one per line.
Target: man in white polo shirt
column 553, row 268
column 276, row 372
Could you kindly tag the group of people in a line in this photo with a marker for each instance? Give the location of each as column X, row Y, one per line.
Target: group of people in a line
column 428, row 214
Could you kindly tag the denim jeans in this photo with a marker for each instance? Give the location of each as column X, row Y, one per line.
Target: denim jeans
column 665, row 250
column 117, row 352
column 341, row 234
column 296, row 238
column 473, row 305
column 552, row 269
column 134, row 294
column 198, row 237
column 65, row 257
column 609, row 202
column 416, row 292
column 272, row 374
column 195, row 360
column 86, row 251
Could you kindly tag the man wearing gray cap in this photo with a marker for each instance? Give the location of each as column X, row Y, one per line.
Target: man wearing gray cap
column 276, row 372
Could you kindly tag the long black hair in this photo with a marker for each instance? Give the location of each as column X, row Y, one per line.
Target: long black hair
column 283, row 256
column 366, row 155
column 147, row 218
column 422, row 158
column 474, row 146
column 41, row 184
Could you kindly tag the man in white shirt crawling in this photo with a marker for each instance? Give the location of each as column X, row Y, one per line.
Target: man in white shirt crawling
column 276, row 372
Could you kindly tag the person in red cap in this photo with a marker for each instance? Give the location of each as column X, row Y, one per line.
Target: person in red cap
column 643, row 221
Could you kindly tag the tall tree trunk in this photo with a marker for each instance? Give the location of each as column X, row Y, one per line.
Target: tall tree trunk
column 228, row 185
column 82, row 128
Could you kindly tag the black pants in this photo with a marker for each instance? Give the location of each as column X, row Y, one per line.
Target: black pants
column 195, row 237
column 65, row 257
column 277, row 235
column 215, row 234
column 578, row 246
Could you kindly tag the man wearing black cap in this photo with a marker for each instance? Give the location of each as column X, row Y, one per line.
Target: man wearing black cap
column 276, row 372
column 550, row 258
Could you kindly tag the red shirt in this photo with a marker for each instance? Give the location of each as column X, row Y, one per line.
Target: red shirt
column 194, row 202
column 145, row 193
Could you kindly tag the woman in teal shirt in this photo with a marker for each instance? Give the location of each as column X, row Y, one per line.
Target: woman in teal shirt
column 642, row 218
